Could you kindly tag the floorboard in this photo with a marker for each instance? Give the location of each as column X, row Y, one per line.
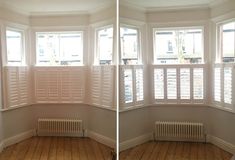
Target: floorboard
column 175, row 151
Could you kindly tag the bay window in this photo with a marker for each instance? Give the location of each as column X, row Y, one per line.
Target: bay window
column 178, row 69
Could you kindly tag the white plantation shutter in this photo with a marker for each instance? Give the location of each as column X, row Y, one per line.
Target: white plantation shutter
column 131, row 85
column 171, row 84
column 184, row 83
column 198, row 83
column 217, row 84
column 17, row 86
column 59, row 84
column 102, row 85
column 159, row 83
column 139, row 83
column 178, row 84
column 228, row 85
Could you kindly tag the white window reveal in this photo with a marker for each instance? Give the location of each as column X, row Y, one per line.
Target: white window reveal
column 55, row 49
column 15, row 47
column 104, row 46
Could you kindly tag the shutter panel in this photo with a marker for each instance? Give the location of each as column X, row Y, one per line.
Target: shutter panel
column 41, row 85
column 59, row 85
column 198, row 85
column 17, row 82
column 184, row 83
column 159, row 83
column 171, row 84
column 128, row 86
column 95, row 85
column 107, row 84
column 65, row 94
column 139, row 83
column 217, row 84
column 53, row 85
column 228, row 85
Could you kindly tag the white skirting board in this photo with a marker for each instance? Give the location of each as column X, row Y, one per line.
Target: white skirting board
column 102, row 139
column 20, row 137
column 135, row 141
column 221, row 143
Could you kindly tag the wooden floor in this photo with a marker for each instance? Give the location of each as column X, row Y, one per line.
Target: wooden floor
column 57, row 148
column 174, row 151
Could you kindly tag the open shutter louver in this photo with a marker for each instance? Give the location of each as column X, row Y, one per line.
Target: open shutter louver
column 139, row 84
column 17, row 86
column 198, row 83
column 128, row 86
column 228, row 85
column 159, row 83
column 184, row 83
column 217, row 84
column 171, row 84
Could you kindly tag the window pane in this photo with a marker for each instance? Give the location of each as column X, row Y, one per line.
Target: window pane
column 129, row 45
column 228, row 85
column 198, row 86
column 178, row 46
column 128, row 86
column 217, row 85
column 228, row 42
column 59, row 49
column 139, row 85
column 105, row 46
column 184, row 83
column 159, row 83
column 171, row 84
column 14, row 41
column 70, row 49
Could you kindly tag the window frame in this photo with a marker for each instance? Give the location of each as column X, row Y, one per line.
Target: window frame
column 23, row 45
column 139, row 44
column 96, row 53
column 219, row 41
column 154, row 29
column 59, row 32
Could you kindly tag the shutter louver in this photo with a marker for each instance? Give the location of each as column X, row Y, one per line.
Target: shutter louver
column 184, row 83
column 198, row 85
column 228, row 85
column 159, row 83
column 139, row 85
column 217, row 84
column 128, row 86
column 171, row 84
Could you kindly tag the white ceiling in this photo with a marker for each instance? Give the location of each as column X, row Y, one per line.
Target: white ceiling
column 50, row 6
column 170, row 4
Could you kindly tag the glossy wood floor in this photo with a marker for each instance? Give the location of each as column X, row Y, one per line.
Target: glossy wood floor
column 57, row 148
column 174, row 151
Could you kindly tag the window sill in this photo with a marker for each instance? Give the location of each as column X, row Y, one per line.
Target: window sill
column 14, row 108
column 130, row 108
column 222, row 108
